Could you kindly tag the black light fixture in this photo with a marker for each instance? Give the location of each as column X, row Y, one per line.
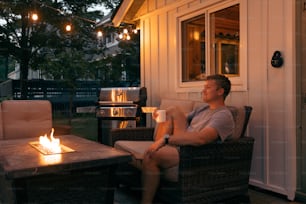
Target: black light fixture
column 277, row 59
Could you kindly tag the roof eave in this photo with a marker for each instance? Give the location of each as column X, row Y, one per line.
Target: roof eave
column 121, row 12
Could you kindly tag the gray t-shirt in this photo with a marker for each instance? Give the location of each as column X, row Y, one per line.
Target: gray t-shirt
column 220, row 119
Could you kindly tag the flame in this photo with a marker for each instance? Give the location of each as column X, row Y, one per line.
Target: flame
column 52, row 144
column 50, row 159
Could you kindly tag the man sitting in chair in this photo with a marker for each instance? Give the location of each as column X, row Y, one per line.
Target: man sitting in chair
column 203, row 125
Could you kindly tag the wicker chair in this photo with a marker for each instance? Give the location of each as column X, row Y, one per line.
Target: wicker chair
column 212, row 173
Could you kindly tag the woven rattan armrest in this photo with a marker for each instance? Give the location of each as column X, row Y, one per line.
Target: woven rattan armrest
column 227, row 150
column 219, row 169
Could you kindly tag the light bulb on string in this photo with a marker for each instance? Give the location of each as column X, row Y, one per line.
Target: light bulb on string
column 127, row 31
column 34, row 16
column 68, row 27
column 99, row 34
column 120, row 36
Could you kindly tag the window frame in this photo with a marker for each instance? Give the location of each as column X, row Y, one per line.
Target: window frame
column 239, row 83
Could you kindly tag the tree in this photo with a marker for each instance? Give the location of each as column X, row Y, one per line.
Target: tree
column 131, row 56
column 37, row 43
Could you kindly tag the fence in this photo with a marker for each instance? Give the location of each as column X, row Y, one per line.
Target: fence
column 58, row 92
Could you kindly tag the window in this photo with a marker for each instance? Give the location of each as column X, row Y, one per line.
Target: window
column 193, row 50
column 224, row 35
column 221, row 27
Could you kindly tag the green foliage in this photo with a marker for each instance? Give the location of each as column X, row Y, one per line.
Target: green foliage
column 45, row 44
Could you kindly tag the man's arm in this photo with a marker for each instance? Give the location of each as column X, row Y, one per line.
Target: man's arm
column 205, row 136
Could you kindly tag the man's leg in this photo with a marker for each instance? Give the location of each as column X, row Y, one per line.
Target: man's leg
column 178, row 118
column 165, row 157
column 163, row 128
column 176, row 121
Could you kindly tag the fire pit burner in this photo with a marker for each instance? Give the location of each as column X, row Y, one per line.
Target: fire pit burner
column 42, row 149
column 50, row 146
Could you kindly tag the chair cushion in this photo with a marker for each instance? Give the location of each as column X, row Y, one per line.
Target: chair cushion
column 239, row 117
column 185, row 106
column 137, row 149
column 26, row 118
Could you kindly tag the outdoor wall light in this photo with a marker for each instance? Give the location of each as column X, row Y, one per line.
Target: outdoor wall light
column 277, row 59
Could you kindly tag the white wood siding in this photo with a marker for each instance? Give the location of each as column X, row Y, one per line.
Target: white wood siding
column 271, row 91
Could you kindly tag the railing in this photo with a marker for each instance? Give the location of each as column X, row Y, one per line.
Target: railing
column 58, row 92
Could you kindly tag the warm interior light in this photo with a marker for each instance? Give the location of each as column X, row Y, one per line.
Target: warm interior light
column 196, row 35
column 128, row 37
column 121, row 36
column 52, row 144
column 125, row 31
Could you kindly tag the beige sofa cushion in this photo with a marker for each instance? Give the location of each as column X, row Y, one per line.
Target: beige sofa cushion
column 239, row 117
column 137, row 149
column 26, row 118
column 185, row 105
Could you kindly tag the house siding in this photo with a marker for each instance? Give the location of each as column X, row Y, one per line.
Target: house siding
column 271, row 91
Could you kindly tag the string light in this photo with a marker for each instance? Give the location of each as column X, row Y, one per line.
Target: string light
column 99, row 34
column 124, row 35
column 34, row 16
column 127, row 31
column 68, row 27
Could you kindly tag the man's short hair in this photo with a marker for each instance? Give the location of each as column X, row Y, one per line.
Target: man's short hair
column 222, row 82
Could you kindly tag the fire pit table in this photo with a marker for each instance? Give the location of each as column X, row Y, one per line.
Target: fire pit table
column 83, row 175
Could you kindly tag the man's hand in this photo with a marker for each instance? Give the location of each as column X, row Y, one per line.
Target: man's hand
column 155, row 146
column 154, row 114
